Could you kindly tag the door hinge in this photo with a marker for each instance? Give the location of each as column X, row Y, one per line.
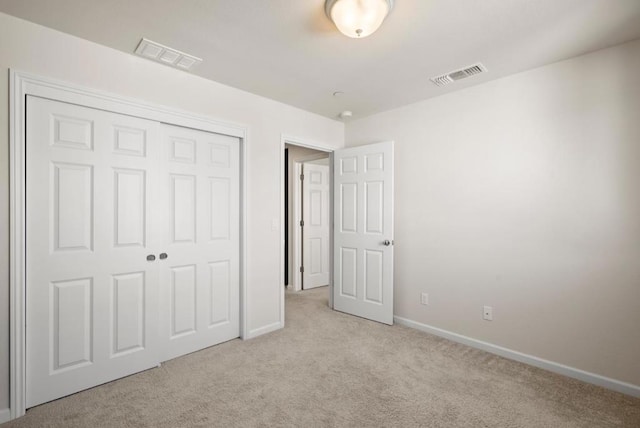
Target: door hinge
column 302, row 223
column 301, row 269
column 301, row 177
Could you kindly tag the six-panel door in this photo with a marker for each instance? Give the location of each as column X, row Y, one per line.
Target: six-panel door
column 199, row 280
column 91, row 294
column 315, row 208
column 363, row 231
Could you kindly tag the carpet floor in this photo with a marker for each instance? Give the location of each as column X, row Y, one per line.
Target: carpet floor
column 330, row 369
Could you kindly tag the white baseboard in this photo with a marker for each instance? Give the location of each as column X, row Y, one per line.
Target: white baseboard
column 264, row 330
column 605, row 382
column 5, row 415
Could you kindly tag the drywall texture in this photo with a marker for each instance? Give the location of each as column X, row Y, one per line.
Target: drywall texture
column 524, row 194
column 31, row 48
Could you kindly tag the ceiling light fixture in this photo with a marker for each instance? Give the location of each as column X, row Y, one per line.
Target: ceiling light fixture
column 357, row 18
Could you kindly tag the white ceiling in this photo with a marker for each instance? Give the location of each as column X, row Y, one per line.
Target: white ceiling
column 287, row 50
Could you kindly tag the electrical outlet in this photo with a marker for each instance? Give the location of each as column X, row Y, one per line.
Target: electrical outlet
column 487, row 313
column 424, row 298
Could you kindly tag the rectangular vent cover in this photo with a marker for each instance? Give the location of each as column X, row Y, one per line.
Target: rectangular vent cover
column 166, row 55
column 463, row 73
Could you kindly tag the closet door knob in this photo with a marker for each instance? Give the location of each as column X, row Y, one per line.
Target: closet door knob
column 163, row 256
column 151, row 258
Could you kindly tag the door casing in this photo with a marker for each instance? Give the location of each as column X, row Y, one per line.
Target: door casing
column 23, row 84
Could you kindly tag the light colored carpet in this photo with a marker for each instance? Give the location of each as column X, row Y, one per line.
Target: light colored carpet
column 331, row 369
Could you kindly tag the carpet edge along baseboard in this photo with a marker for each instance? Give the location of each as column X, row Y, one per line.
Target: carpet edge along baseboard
column 593, row 378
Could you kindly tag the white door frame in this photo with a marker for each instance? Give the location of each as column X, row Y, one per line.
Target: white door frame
column 296, row 237
column 303, row 142
column 23, row 84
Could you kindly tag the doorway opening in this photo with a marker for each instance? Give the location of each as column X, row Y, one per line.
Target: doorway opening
column 360, row 262
column 307, row 208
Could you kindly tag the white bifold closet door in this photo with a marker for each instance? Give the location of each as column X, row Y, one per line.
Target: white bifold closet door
column 105, row 194
column 199, row 278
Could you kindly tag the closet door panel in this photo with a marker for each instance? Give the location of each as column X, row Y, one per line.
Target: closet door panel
column 91, row 293
column 200, row 178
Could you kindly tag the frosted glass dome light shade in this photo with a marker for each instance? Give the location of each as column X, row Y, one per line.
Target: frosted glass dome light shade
column 358, row 18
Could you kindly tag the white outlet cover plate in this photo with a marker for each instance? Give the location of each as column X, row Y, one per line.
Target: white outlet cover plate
column 488, row 313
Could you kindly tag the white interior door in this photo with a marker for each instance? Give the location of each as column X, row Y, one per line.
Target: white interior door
column 363, row 231
column 315, row 232
column 199, row 278
column 91, row 293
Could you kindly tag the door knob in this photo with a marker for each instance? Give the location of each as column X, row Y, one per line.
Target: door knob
column 163, row 256
column 151, row 258
column 386, row 242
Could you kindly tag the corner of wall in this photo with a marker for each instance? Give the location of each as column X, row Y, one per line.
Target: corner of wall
column 264, row 330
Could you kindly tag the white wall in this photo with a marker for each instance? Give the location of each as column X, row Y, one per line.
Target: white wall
column 524, row 194
column 32, row 48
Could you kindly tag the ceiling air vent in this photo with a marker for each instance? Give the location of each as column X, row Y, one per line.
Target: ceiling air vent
column 463, row 73
column 166, row 55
